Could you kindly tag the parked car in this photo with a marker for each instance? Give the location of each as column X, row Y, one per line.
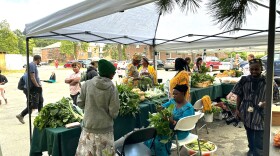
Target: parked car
column 226, row 63
column 276, row 63
column 69, row 63
column 212, row 62
column 169, row 64
column 160, row 64
column 84, row 63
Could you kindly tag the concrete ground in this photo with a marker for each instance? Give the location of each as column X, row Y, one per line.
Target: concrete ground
column 14, row 136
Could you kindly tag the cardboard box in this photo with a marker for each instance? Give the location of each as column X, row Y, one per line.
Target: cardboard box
column 275, row 115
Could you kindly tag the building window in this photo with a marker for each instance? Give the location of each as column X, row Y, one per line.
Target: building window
column 137, row 46
column 167, row 53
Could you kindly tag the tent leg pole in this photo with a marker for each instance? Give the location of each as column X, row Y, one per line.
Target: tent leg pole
column 28, row 89
column 269, row 78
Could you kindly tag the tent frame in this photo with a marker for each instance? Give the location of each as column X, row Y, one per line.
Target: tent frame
column 270, row 73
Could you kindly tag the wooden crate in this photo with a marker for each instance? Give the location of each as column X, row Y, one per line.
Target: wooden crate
column 275, row 115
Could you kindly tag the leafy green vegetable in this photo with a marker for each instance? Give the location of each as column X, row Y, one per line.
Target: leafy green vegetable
column 58, row 114
column 160, row 122
column 129, row 101
column 144, row 82
column 199, row 77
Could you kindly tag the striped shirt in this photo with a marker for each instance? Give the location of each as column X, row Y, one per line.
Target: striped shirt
column 251, row 91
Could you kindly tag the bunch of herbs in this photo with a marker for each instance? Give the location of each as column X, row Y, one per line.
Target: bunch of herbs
column 129, row 101
column 58, row 114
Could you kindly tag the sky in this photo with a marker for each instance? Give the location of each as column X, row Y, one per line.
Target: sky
column 20, row 12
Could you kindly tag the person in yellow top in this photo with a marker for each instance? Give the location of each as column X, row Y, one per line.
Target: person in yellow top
column 131, row 72
column 181, row 77
column 147, row 70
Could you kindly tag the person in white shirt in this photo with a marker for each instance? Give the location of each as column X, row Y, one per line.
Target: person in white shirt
column 246, row 70
column 74, row 82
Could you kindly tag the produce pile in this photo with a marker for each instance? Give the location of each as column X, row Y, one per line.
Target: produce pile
column 205, row 146
column 154, row 93
column 145, row 83
column 58, row 114
column 230, row 73
column 276, row 140
column 160, row 121
column 140, row 93
column 129, row 100
column 200, row 78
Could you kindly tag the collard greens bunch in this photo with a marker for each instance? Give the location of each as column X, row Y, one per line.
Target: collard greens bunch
column 58, row 114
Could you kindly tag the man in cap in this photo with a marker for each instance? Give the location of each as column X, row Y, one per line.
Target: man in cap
column 100, row 100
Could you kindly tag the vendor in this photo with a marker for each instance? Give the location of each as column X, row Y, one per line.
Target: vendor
column 182, row 109
column 188, row 62
column 131, row 73
column 181, row 77
column 198, row 64
column 147, row 70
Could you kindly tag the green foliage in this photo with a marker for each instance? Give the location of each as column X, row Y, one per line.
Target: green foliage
column 204, row 69
column 129, row 101
column 160, row 121
column 22, row 42
column 216, row 110
column 243, row 55
column 259, row 56
column 71, row 48
column 167, row 6
column 112, row 50
column 200, row 77
column 8, row 40
column 44, row 42
column 58, row 114
column 144, row 83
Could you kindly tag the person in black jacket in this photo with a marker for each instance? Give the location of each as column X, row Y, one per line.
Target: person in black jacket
column 3, row 81
column 91, row 71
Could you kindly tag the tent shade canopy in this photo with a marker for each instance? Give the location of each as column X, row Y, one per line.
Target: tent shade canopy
column 139, row 22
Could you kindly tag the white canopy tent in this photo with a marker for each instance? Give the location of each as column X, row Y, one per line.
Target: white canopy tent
column 138, row 22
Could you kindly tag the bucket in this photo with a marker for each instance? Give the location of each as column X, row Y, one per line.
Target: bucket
column 208, row 117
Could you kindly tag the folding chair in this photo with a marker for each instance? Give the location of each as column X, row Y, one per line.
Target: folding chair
column 198, row 105
column 133, row 143
column 186, row 124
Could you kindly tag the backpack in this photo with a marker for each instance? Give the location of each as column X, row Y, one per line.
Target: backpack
column 21, row 83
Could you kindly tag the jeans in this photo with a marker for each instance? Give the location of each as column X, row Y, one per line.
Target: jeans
column 74, row 98
column 255, row 141
column 36, row 101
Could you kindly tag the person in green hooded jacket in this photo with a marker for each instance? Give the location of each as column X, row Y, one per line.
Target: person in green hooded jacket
column 100, row 100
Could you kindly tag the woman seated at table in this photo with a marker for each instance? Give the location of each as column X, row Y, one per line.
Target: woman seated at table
column 198, row 64
column 181, row 77
column 147, row 70
column 52, row 78
column 182, row 109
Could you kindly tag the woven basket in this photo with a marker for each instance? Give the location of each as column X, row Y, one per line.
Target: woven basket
column 202, row 84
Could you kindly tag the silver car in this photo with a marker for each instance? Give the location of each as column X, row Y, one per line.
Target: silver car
column 169, row 64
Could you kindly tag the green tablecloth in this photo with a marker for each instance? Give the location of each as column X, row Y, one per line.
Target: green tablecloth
column 57, row 141
column 227, row 88
column 214, row 92
column 63, row 142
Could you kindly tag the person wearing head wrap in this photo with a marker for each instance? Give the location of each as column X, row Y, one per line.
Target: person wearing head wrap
column 180, row 108
column 181, row 77
column 131, row 73
column 100, row 100
column 147, row 70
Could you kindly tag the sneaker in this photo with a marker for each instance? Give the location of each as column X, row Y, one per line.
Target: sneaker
column 20, row 118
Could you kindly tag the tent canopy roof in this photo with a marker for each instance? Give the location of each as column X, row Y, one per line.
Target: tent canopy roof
column 139, row 22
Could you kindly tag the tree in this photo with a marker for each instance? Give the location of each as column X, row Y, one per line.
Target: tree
column 116, row 51
column 22, row 42
column 8, row 40
column 230, row 14
column 111, row 50
column 71, row 48
column 44, row 42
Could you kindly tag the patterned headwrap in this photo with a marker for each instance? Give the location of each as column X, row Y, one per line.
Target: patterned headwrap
column 137, row 57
